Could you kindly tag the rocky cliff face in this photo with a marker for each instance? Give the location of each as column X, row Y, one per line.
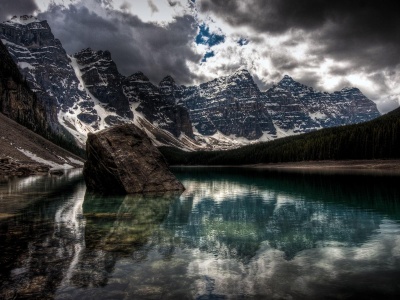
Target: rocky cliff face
column 235, row 106
column 102, row 79
column 42, row 60
column 232, row 105
column 17, row 101
column 85, row 92
column 157, row 105
column 296, row 108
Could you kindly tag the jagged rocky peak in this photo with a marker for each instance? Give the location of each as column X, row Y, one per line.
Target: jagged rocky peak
column 230, row 105
column 103, row 80
column 289, row 84
column 28, row 31
column 167, row 81
column 158, row 103
column 298, row 108
column 240, row 77
column 51, row 76
column 98, row 64
column 88, row 55
column 138, row 76
column 352, row 90
column 242, row 74
column 137, row 87
column 287, row 81
column 168, row 87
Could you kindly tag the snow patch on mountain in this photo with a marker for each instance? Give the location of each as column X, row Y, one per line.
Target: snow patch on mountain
column 52, row 164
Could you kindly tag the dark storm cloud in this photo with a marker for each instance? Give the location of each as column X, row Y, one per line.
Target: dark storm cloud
column 364, row 32
column 283, row 62
column 16, row 7
column 308, row 78
column 135, row 45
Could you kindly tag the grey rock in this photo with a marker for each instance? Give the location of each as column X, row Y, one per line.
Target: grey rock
column 103, row 80
column 157, row 104
column 232, row 105
column 123, row 160
column 42, row 60
column 294, row 106
column 56, row 172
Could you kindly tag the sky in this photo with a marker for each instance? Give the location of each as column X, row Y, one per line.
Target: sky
column 327, row 45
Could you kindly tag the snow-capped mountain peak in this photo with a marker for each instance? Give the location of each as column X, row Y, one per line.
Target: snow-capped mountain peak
column 241, row 74
column 91, row 94
column 138, row 76
column 167, row 81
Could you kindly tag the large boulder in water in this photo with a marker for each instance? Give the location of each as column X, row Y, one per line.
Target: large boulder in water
column 122, row 159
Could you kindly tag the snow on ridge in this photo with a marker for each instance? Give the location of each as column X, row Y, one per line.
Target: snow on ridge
column 317, row 115
column 52, row 164
column 75, row 161
column 24, row 65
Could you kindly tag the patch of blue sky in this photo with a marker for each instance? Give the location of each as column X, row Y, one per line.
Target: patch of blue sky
column 205, row 37
column 243, row 41
column 208, row 55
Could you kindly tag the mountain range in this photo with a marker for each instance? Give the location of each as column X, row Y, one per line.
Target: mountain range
column 85, row 92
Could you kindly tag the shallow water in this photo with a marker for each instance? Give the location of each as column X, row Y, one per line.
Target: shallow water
column 234, row 233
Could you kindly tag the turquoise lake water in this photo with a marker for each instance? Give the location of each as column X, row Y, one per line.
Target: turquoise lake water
column 234, row 233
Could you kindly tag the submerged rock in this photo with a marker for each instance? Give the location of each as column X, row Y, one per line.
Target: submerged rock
column 57, row 172
column 122, row 159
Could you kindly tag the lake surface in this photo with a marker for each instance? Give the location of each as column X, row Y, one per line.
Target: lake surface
column 233, row 234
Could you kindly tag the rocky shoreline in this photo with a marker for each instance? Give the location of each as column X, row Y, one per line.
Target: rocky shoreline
column 12, row 167
column 23, row 152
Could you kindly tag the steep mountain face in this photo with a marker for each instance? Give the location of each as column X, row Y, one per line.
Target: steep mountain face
column 235, row 106
column 296, row 108
column 86, row 93
column 47, row 69
column 231, row 105
column 102, row 79
column 156, row 105
column 17, row 101
column 42, row 60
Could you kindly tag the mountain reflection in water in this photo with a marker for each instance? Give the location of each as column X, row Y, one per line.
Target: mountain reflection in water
column 234, row 233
